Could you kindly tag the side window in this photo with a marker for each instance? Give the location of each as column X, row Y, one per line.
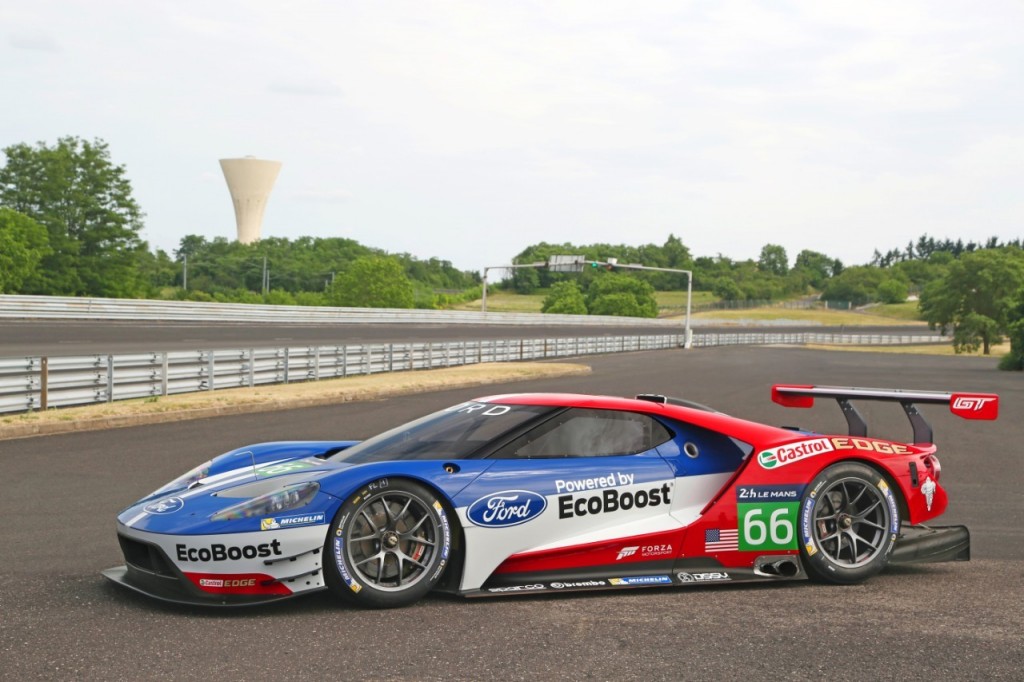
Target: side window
column 588, row 433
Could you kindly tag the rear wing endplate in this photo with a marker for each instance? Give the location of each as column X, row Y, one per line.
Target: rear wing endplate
column 965, row 405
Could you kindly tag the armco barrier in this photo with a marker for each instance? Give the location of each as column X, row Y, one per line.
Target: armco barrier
column 33, row 383
column 71, row 308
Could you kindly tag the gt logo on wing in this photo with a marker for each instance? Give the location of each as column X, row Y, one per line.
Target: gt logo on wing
column 975, row 406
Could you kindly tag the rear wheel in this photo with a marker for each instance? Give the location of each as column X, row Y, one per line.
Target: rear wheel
column 390, row 543
column 849, row 521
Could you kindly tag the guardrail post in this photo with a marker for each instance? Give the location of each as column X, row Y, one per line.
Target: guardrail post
column 286, row 365
column 344, row 361
column 44, row 383
column 110, row 378
column 163, row 373
column 316, row 363
column 209, row 371
column 391, row 357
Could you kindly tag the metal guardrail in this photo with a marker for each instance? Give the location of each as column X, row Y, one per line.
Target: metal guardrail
column 34, row 383
column 804, row 338
column 72, row 308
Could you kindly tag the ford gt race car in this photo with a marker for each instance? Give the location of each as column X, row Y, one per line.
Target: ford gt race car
column 536, row 493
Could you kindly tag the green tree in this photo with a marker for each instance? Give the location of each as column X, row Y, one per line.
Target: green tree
column 976, row 297
column 525, row 280
column 774, row 260
column 23, row 244
column 892, row 291
column 817, row 267
column 1014, row 360
column 85, row 203
column 857, row 285
column 372, row 282
column 726, row 289
column 617, row 294
column 565, row 298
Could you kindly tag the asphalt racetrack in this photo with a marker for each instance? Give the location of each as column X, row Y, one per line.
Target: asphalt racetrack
column 59, row 619
column 85, row 337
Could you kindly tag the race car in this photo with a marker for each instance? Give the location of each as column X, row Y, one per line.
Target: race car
column 541, row 493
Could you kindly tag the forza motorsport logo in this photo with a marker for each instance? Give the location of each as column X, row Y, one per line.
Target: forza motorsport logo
column 794, row 452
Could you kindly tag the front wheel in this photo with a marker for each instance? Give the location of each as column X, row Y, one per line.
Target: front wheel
column 389, row 542
column 849, row 522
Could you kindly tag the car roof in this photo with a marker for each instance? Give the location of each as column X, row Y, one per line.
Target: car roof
column 758, row 434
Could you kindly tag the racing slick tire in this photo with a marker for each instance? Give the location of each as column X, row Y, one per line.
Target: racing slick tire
column 849, row 521
column 388, row 544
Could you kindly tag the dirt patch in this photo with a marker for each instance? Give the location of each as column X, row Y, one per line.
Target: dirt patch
column 277, row 397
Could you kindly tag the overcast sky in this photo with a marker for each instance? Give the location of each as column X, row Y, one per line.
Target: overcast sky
column 470, row 130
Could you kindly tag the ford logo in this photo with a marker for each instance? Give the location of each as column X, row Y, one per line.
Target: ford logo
column 507, row 508
column 168, row 506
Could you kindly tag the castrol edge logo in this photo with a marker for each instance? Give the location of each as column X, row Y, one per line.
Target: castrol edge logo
column 794, row 452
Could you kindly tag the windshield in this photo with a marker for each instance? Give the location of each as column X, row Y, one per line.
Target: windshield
column 454, row 433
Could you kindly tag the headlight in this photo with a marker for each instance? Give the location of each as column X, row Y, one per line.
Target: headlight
column 283, row 499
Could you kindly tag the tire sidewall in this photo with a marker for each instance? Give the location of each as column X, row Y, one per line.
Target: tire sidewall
column 817, row 562
column 345, row 581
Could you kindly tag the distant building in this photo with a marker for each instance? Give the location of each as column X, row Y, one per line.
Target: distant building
column 250, row 181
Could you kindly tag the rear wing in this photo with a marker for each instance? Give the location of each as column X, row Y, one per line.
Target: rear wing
column 965, row 405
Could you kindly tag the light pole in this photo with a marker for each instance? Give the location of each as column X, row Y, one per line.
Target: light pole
column 687, row 335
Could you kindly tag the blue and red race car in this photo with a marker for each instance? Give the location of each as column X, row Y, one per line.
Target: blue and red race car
column 534, row 493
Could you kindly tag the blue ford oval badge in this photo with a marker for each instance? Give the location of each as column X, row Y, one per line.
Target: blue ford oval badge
column 507, row 508
column 168, row 506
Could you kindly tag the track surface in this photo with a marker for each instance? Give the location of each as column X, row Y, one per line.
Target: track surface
column 60, row 620
column 34, row 337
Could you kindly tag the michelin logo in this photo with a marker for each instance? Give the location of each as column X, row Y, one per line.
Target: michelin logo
column 642, row 580
column 293, row 521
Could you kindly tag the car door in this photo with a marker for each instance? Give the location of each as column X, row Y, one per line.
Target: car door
column 585, row 476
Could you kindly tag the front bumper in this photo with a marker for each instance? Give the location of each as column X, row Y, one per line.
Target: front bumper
column 177, row 591
column 931, row 544
column 221, row 570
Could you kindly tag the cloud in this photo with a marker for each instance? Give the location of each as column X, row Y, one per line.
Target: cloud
column 306, row 86
column 33, row 40
column 330, row 196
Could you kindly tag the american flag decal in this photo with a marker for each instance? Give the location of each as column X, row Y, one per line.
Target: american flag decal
column 716, row 540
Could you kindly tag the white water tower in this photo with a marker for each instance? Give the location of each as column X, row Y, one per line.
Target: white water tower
column 250, row 181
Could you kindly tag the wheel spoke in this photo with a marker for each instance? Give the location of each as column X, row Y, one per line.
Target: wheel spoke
column 869, row 509
column 853, row 502
column 414, row 528
column 420, row 541
column 378, row 555
column 405, row 509
column 852, row 539
column 369, row 520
